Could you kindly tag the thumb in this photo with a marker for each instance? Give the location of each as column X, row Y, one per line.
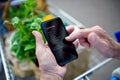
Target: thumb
column 39, row 42
column 94, row 40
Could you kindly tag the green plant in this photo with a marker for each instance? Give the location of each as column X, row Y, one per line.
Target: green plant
column 23, row 41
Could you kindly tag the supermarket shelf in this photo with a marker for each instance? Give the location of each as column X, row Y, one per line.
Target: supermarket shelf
column 7, row 68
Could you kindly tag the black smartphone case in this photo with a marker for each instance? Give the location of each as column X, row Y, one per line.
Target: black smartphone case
column 55, row 33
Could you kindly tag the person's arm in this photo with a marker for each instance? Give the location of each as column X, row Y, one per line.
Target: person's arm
column 97, row 37
column 49, row 69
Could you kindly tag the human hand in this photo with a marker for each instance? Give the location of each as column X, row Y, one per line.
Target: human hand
column 97, row 37
column 49, row 69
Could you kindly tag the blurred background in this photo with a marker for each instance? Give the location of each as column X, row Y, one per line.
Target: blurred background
column 105, row 13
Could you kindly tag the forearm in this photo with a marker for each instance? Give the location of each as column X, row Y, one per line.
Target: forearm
column 50, row 76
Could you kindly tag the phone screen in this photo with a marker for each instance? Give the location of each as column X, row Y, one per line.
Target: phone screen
column 55, row 33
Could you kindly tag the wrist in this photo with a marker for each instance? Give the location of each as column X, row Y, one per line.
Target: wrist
column 49, row 76
column 117, row 51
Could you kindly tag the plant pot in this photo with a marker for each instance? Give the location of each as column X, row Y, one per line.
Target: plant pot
column 36, row 70
column 20, row 68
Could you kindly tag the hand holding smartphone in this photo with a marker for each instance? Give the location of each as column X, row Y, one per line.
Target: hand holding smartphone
column 55, row 33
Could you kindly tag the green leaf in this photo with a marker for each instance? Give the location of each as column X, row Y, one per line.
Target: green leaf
column 16, row 36
column 14, row 48
column 27, row 21
column 35, row 26
column 41, row 13
column 20, row 55
column 16, row 11
column 15, row 21
column 23, row 42
column 38, row 20
column 20, row 51
column 29, row 46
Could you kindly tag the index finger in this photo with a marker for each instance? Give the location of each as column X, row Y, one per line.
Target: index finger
column 70, row 29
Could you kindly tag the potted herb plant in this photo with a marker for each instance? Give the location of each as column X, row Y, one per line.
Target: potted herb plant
column 25, row 18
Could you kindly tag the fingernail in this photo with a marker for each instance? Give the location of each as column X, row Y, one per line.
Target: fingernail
column 66, row 38
column 34, row 32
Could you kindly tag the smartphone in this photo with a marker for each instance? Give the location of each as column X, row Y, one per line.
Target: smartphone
column 55, row 33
